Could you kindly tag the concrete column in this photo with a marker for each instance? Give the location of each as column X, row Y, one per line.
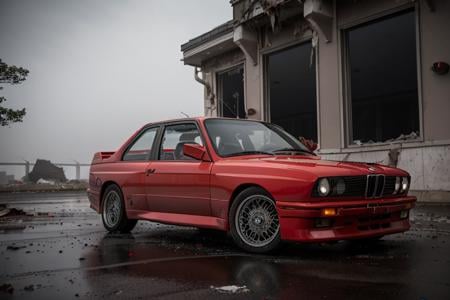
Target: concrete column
column 27, row 168
column 77, row 171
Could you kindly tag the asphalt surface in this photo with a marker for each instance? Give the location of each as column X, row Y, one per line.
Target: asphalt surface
column 63, row 252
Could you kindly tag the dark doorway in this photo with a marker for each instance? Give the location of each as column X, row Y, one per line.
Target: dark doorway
column 230, row 85
column 291, row 82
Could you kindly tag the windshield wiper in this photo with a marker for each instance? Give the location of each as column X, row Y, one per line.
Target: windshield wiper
column 292, row 150
column 249, row 152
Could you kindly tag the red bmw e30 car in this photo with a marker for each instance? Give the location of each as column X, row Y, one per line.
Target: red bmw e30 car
column 250, row 178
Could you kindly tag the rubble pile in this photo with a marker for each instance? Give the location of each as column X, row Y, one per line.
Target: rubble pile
column 44, row 169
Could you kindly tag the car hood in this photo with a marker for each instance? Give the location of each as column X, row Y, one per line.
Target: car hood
column 321, row 167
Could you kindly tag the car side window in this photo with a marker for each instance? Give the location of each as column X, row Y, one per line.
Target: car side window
column 175, row 136
column 142, row 147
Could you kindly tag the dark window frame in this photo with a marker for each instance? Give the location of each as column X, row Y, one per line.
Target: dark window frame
column 219, row 91
column 346, row 114
column 266, row 89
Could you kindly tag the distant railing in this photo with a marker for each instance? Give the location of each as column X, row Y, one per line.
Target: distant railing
column 27, row 165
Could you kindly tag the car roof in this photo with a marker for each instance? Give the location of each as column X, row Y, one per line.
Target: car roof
column 194, row 119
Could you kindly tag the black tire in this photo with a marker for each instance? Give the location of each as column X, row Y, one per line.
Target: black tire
column 236, row 226
column 119, row 222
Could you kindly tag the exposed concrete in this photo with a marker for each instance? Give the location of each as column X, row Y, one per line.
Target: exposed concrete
column 435, row 46
column 247, row 41
column 328, row 91
column 432, row 196
column 429, row 168
column 319, row 14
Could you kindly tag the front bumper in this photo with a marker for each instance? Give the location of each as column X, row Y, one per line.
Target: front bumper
column 354, row 219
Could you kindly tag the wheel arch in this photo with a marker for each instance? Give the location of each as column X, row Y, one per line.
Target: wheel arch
column 103, row 189
column 273, row 240
column 241, row 188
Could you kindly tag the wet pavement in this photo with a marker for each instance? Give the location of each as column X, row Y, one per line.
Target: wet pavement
column 59, row 250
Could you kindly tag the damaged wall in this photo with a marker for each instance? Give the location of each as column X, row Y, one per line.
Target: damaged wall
column 435, row 46
column 426, row 157
column 44, row 169
column 429, row 166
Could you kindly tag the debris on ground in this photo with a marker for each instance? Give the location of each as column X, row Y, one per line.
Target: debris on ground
column 405, row 137
column 4, row 211
column 232, row 289
column 402, row 137
column 43, row 181
column 7, row 288
column 14, row 247
column 11, row 212
column 29, row 288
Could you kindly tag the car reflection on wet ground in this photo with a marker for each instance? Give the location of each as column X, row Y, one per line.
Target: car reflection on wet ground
column 60, row 250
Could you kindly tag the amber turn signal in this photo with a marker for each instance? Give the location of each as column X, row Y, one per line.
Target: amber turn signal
column 329, row 212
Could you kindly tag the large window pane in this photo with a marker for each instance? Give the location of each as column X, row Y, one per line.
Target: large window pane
column 383, row 74
column 291, row 80
column 231, row 93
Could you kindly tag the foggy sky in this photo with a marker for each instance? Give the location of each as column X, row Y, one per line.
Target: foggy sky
column 98, row 71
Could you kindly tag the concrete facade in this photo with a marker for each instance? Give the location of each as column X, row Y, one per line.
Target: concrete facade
column 426, row 157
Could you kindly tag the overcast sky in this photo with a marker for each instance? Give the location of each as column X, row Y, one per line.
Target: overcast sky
column 98, row 71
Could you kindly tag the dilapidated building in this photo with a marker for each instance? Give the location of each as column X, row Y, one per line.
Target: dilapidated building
column 367, row 80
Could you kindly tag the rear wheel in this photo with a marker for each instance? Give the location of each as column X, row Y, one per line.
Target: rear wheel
column 253, row 220
column 113, row 211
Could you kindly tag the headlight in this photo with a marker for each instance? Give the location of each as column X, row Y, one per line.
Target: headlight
column 323, row 187
column 398, row 182
column 405, row 184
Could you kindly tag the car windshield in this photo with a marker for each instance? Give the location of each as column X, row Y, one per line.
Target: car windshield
column 243, row 137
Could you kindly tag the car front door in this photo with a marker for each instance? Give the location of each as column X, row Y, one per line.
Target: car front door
column 176, row 183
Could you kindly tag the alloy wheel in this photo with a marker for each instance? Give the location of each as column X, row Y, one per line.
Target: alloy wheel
column 257, row 221
column 112, row 209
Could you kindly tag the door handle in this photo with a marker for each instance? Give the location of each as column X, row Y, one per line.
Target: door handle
column 149, row 171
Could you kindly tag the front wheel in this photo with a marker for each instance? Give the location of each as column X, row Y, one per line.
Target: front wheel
column 254, row 223
column 113, row 211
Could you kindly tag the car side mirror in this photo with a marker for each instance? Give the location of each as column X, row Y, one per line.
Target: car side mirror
column 196, row 151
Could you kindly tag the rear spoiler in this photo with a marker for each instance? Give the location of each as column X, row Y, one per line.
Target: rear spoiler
column 101, row 157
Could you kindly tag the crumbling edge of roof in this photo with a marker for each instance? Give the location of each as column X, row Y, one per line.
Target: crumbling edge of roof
column 208, row 36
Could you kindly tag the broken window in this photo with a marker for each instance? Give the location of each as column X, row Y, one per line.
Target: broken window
column 230, row 85
column 382, row 67
column 291, row 82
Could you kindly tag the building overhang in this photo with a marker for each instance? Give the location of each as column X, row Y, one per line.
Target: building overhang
column 248, row 15
column 209, row 45
column 195, row 56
